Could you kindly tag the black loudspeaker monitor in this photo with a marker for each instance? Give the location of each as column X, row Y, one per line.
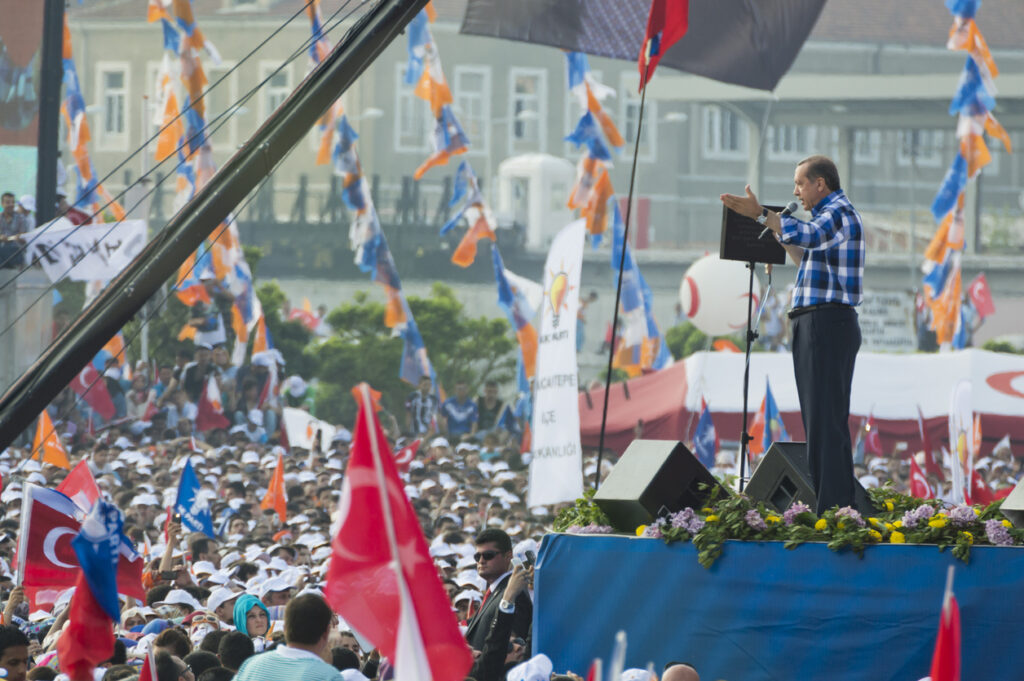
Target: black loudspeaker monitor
column 652, row 478
column 783, row 477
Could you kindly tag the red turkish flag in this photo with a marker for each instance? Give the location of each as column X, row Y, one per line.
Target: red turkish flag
column 381, row 578
column 981, row 296
column 946, row 658
column 47, row 563
column 666, row 24
column 93, row 389
column 405, row 455
column 980, row 492
column 210, row 410
column 919, row 486
column 872, row 440
column 80, row 486
column 89, row 637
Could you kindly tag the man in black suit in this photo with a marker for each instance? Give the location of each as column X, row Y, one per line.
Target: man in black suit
column 494, row 563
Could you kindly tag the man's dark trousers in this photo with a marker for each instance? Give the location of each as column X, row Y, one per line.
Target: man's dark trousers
column 825, row 343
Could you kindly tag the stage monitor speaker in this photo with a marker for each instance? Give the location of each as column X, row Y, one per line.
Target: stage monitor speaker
column 1013, row 505
column 783, row 478
column 652, row 478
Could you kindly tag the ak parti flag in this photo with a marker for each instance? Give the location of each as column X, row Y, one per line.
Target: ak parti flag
column 666, row 24
column 47, row 445
column 276, row 496
column 381, row 578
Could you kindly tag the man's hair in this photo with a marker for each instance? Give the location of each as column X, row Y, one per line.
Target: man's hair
column 493, row 535
column 235, row 648
column 6, row 194
column 175, row 641
column 201, row 660
column 199, row 545
column 211, row 642
column 11, row 636
column 343, row 658
column 306, row 619
column 166, row 668
column 157, row 593
column 823, row 167
column 216, row 674
column 114, row 673
column 44, row 673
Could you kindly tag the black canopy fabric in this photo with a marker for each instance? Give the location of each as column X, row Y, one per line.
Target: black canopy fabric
column 744, row 42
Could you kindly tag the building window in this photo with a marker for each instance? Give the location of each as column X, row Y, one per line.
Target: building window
column 414, row 123
column 629, row 120
column 219, row 96
column 528, row 110
column 923, row 146
column 277, row 85
column 725, row 134
column 867, row 145
column 791, row 142
column 473, row 104
column 113, row 88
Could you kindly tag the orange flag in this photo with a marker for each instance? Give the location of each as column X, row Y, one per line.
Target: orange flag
column 276, row 496
column 465, row 252
column 47, row 444
column 756, row 446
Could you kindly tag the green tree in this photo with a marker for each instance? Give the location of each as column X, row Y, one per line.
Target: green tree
column 685, row 339
column 364, row 349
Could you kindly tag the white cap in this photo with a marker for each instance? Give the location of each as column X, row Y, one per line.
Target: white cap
column 220, row 596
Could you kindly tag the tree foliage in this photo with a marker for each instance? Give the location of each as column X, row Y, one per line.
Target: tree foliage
column 364, row 349
column 685, row 339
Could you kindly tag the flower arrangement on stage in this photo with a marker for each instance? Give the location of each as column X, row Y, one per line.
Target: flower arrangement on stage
column 899, row 519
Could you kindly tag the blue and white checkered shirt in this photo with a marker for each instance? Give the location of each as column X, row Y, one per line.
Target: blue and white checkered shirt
column 832, row 269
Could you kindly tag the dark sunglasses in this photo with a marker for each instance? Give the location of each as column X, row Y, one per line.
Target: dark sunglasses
column 485, row 555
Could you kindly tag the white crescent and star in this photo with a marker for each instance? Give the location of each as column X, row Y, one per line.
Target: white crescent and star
column 50, row 546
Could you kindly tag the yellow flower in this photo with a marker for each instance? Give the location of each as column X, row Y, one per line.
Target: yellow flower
column 875, row 534
column 707, row 509
column 640, row 530
column 941, row 514
column 937, row 522
column 711, row 518
column 970, row 537
column 1007, row 523
column 772, row 519
column 889, row 505
column 977, row 511
column 897, row 538
column 821, row 524
column 841, row 524
column 889, row 526
column 874, row 522
column 898, row 523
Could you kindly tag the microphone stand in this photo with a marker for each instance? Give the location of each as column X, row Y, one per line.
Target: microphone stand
column 751, row 337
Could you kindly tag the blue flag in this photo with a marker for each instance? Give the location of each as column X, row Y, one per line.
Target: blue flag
column 193, row 508
column 98, row 546
column 705, row 440
column 772, row 419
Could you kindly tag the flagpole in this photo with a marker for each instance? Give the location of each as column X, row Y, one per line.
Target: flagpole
column 622, row 263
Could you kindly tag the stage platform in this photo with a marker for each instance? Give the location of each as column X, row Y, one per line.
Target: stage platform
column 763, row 612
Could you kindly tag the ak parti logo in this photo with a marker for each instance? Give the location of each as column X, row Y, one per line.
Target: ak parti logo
column 1003, row 382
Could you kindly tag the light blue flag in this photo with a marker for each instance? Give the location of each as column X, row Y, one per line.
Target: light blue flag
column 193, row 508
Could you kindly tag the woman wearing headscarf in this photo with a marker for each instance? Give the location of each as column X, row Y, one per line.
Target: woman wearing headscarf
column 252, row 619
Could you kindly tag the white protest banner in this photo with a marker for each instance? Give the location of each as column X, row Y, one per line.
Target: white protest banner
column 302, row 426
column 85, row 253
column 556, row 467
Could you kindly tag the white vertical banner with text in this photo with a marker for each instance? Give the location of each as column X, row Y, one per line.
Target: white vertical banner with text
column 556, row 467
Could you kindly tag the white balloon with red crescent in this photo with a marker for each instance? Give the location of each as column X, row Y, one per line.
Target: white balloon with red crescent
column 713, row 295
column 50, row 546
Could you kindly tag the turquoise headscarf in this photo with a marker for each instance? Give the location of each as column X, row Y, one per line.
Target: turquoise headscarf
column 242, row 607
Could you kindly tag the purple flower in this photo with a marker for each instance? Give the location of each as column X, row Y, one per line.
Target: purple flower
column 851, row 513
column 686, row 519
column 755, row 521
column 789, row 517
column 653, row 530
column 916, row 515
column 962, row 515
column 997, row 533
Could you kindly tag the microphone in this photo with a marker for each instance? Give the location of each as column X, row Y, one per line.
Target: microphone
column 788, row 210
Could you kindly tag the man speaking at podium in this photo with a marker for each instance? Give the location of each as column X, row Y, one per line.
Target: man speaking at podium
column 825, row 333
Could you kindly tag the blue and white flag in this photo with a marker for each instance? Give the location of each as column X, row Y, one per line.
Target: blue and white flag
column 98, row 547
column 705, row 440
column 193, row 507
